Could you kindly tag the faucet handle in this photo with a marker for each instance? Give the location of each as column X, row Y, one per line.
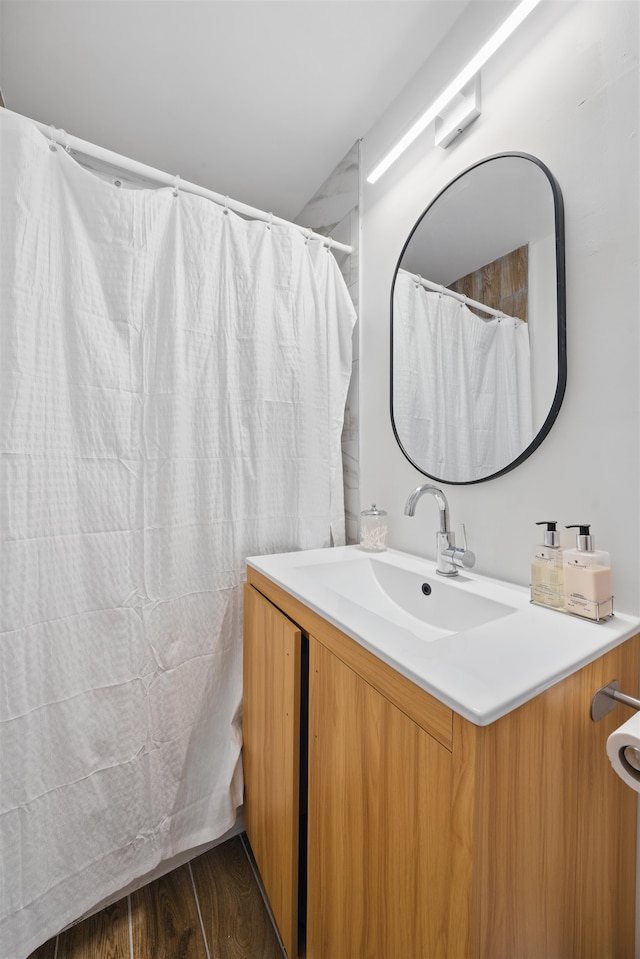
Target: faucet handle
column 464, row 558
column 460, row 556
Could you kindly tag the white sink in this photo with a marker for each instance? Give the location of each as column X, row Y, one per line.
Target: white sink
column 427, row 604
column 475, row 643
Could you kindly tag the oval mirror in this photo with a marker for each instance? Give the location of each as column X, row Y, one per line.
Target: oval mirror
column 478, row 341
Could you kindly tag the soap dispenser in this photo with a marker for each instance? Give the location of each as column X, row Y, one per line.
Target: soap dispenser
column 587, row 577
column 547, row 569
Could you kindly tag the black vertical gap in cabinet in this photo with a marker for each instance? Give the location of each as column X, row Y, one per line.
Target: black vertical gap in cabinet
column 303, row 792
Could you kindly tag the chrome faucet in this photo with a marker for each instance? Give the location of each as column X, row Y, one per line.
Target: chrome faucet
column 450, row 556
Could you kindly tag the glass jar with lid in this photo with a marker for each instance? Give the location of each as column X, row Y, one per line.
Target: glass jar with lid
column 373, row 529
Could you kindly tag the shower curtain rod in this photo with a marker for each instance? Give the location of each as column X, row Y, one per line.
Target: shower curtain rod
column 438, row 288
column 126, row 164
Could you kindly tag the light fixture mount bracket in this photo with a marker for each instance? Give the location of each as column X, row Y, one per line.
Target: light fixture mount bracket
column 462, row 110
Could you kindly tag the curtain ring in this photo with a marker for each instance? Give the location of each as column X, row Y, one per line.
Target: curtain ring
column 270, row 221
column 226, row 206
column 176, row 185
column 308, row 236
column 65, row 141
column 53, row 146
column 328, row 243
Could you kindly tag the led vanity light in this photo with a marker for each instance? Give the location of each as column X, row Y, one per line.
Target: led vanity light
column 462, row 80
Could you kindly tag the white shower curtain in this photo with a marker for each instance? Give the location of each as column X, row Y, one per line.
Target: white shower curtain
column 173, row 384
column 461, row 384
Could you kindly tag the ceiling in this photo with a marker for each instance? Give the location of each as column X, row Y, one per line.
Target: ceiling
column 255, row 99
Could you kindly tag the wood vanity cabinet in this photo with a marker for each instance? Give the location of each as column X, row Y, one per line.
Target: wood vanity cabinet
column 386, row 826
column 271, row 719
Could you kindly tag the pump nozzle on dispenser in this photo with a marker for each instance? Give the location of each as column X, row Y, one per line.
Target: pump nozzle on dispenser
column 551, row 537
column 583, row 540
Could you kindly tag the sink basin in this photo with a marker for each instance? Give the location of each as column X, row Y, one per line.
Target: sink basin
column 428, row 605
column 475, row 643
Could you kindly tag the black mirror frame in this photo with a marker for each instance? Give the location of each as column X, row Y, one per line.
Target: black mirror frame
column 561, row 385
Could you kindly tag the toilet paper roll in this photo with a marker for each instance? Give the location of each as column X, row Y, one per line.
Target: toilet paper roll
column 623, row 750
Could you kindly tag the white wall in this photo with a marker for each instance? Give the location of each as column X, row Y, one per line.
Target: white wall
column 565, row 89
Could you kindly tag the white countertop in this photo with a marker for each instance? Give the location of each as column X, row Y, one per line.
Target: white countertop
column 483, row 672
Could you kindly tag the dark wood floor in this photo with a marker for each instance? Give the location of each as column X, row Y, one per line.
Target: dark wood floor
column 210, row 908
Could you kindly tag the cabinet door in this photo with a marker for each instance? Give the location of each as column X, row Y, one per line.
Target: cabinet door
column 271, row 755
column 379, row 823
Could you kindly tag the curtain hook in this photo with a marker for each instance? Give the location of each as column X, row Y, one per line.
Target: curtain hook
column 308, row 236
column 226, row 206
column 53, row 146
column 65, row 141
column 270, row 221
column 176, row 185
column 441, row 294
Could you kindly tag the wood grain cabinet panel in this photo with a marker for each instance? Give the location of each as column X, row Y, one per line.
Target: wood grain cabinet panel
column 429, row 837
column 555, row 857
column 271, row 755
column 379, row 822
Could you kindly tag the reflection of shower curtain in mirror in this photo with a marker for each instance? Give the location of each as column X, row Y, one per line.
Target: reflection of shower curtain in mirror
column 173, row 389
column 461, row 384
